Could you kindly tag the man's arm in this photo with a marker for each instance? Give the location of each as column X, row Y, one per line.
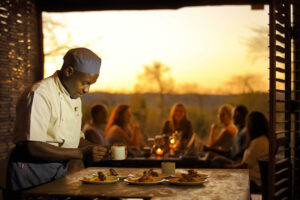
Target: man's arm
column 49, row 152
column 83, row 143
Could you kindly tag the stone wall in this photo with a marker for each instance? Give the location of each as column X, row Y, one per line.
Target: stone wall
column 20, row 60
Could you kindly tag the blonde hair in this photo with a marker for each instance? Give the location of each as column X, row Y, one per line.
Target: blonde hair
column 172, row 112
column 226, row 109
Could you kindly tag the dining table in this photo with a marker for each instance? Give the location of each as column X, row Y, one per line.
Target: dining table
column 221, row 184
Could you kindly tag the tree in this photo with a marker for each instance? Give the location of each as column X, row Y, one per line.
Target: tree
column 57, row 38
column 53, row 45
column 247, row 83
column 139, row 109
column 258, row 43
column 155, row 78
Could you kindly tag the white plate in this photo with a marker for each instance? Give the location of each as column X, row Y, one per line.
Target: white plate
column 133, row 181
column 109, row 180
column 175, row 181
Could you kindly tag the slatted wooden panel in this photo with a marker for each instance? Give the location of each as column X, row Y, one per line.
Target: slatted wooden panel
column 20, row 60
column 296, row 73
column 280, row 168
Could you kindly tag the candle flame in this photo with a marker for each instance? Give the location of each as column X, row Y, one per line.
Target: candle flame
column 159, row 151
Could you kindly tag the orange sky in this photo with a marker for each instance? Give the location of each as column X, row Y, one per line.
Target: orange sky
column 202, row 45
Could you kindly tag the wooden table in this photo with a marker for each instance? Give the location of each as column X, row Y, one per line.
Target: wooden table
column 222, row 184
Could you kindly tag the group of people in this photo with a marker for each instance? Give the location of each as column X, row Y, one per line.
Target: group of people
column 241, row 142
column 50, row 143
column 117, row 129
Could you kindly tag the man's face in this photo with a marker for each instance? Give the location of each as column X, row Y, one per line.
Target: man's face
column 236, row 117
column 78, row 83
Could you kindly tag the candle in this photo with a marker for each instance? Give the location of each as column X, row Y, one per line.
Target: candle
column 159, row 151
column 172, row 141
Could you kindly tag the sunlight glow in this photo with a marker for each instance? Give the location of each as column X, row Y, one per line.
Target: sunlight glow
column 202, row 45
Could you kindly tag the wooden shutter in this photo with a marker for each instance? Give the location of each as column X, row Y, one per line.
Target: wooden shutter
column 280, row 161
column 296, row 79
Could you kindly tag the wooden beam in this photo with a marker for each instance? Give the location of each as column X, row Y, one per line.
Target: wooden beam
column 93, row 5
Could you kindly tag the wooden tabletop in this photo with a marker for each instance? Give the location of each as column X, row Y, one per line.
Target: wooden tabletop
column 222, row 184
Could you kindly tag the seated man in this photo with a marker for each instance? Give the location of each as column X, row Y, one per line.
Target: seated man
column 48, row 123
column 239, row 144
column 94, row 130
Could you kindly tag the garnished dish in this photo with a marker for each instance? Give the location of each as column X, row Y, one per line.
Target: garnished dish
column 114, row 173
column 191, row 178
column 146, row 179
column 193, row 173
column 100, row 178
column 153, row 174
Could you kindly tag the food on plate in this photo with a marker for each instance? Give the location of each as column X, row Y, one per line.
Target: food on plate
column 187, row 178
column 191, row 176
column 147, row 177
column 112, row 172
column 95, row 178
column 195, row 174
column 100, row 177
column 153, row 173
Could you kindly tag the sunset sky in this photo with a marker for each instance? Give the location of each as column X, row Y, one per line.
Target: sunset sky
column 201, row 45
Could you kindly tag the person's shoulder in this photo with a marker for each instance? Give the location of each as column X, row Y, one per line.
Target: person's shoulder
column 86, row 126
column 43, row 86
column 40, row 88
column 115, row 128
column 232, row 129
column 89, row 131
column 262, row 139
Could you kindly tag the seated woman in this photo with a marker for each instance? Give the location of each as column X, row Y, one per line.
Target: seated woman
column 94, row 130
column 225, row 138
column 119, row 130
column 258, row 147
column 179, row 122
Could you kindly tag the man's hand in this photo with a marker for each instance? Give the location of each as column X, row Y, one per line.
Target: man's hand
column 93, row 153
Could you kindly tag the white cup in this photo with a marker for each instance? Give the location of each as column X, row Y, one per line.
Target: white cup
column 168, row 168
column 118, row 152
